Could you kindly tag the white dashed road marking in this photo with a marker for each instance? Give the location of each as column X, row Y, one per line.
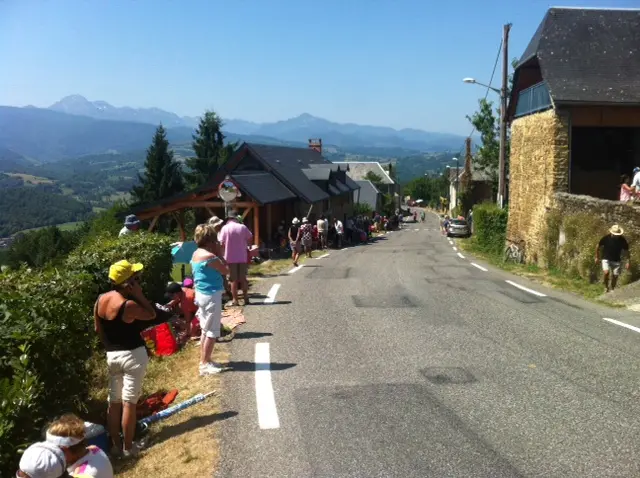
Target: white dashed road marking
column 622, row 324
column 265, row 398
column 460, row 256
column 271, row 295
column 323, row 256
column 455, row 248
column 479, row 267
column 295, row 269
column 526, row 289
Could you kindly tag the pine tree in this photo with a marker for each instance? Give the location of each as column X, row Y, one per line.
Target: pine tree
column 162, row 173
column 211, row 152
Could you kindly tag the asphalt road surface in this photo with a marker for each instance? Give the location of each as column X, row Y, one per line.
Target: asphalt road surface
column 407, row 358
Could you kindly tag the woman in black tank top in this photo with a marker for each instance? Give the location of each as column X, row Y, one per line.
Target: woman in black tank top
column 119, row 317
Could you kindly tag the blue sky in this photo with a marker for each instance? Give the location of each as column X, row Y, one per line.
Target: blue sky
column 395, row 63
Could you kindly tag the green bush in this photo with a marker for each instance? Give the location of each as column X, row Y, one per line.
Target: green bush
column 152, row 250
column 47, row 336
column 45, row 339
column 490, row 228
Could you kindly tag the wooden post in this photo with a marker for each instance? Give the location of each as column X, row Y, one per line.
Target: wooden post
column 153, row 223
column 180, row 218
column 256, row 225
column 269, row 220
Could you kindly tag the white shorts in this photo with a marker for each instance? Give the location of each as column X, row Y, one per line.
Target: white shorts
column 209, row 313
column 126, row 373
column 611, row 266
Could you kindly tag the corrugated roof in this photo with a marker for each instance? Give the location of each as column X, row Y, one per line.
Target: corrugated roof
column 358, row 170
column 589, row 55
column 263, row 187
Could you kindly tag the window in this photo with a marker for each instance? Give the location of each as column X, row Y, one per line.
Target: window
column 533, row 99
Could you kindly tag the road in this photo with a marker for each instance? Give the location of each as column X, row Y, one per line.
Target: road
column 404, row 359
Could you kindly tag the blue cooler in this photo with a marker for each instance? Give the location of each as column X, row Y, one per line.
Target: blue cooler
column 96, row 435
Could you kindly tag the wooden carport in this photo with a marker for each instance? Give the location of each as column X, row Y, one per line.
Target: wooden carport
column 204, row 200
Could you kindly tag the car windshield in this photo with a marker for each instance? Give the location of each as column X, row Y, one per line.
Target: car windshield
column 458, row 222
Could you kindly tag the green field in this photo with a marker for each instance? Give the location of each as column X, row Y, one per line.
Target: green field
column 29, row 178
column 67, row 226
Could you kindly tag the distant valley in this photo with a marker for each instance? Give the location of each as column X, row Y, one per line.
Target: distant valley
column 80, row 156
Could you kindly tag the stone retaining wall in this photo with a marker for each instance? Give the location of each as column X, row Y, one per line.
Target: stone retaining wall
column 626, row 215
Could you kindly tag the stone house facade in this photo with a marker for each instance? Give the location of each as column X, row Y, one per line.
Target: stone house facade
column 574, row 112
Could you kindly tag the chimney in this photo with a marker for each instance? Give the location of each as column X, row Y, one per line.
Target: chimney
column 316, row 144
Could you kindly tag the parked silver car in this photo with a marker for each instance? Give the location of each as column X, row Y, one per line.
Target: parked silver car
column 458, row 228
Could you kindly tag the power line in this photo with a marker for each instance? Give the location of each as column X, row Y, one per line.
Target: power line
column 495, row 66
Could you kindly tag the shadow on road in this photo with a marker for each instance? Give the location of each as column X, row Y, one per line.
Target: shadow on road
column 252, row 335
column 246, row 366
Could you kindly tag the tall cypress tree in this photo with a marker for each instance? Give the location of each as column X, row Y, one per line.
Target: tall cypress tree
column 211, row 152
column 162, row 173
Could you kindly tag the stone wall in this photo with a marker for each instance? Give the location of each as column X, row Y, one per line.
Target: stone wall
column 538, row 168
column 626, row 215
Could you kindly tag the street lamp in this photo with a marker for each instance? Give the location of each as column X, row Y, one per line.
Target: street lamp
column 503, row 133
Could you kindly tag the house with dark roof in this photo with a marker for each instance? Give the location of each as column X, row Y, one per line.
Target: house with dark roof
column 276, row 183
column 574, row 112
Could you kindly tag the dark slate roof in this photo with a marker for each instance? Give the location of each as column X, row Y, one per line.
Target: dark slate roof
column 589, row 55
column 351, row 184
column 317, row 174
column 288, row 163
column 342, row 186
column 334, row 190
column 263, row 187
column 332, row 166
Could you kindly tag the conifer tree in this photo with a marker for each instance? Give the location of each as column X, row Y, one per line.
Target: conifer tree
column 162, row 176
column 211, row 152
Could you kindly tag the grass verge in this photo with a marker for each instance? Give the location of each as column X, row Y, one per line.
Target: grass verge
column 185, row 444
column 554, row 278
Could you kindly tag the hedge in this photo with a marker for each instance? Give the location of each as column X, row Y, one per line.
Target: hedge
column 47, row 337
column 490, row 228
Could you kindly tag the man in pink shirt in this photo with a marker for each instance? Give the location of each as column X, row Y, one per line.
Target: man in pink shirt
column 235, row 238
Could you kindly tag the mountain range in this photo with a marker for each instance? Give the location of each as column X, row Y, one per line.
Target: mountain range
column 297, row 130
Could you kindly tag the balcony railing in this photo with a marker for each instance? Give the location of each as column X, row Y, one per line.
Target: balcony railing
column 533, row 99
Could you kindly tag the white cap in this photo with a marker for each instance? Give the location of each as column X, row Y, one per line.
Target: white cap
column 43, row 460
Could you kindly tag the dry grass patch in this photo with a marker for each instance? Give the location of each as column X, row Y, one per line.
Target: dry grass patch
column 185, row 444
column 273, row 267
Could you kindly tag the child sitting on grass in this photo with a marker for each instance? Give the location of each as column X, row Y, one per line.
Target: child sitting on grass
column 68, row 434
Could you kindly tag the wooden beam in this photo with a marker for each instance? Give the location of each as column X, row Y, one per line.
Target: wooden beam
column 246, row 212
column 153, row 223
column 256, row 225
column 210, row 211
column 188, row 205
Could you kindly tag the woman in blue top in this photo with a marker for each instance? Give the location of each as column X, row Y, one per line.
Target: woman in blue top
column 208, row 270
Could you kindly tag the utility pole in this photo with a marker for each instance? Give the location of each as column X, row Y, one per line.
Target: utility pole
column 503, row 113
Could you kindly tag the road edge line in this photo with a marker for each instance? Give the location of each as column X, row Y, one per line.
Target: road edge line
column 622, row 324
column 271, row 295
column 526, row 289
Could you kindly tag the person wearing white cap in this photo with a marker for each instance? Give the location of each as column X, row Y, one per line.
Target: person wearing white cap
column 42, row 460
column 294, row 240
column 613, row 244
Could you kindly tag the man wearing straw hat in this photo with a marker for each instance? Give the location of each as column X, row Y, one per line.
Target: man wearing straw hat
column 612, row 246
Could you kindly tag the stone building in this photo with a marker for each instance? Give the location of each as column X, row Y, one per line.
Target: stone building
column 575, row 121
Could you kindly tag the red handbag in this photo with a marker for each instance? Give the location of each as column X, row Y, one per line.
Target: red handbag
column 160, row 340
